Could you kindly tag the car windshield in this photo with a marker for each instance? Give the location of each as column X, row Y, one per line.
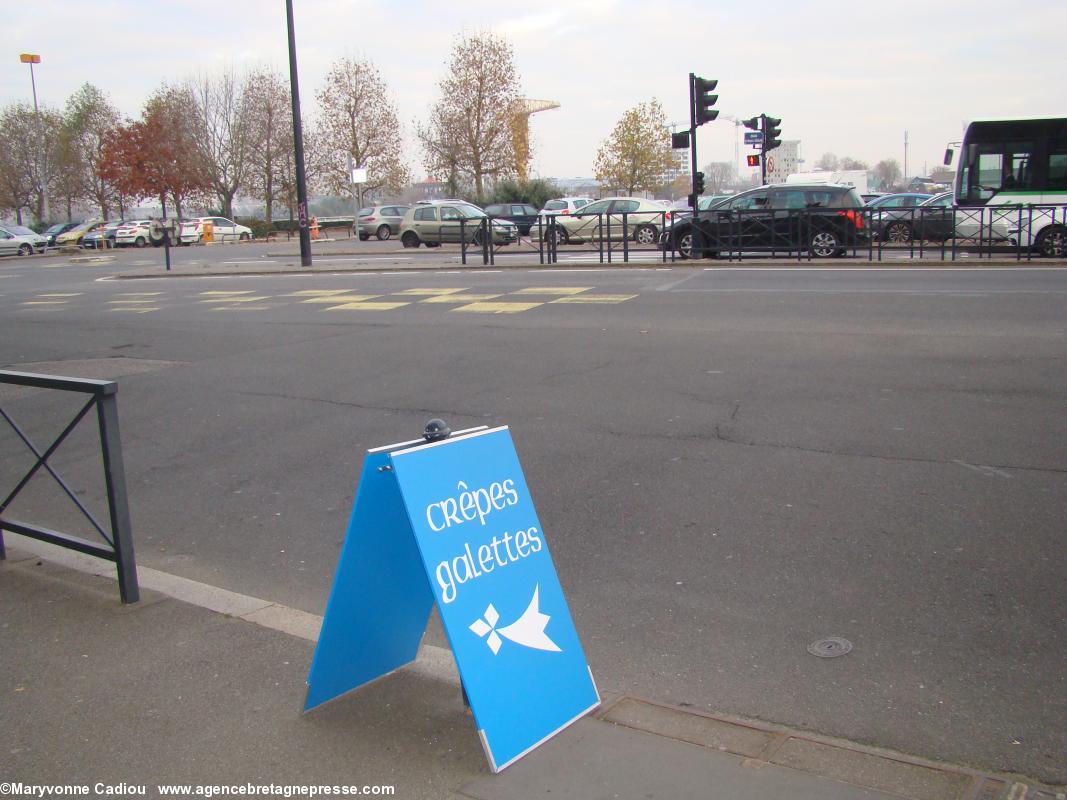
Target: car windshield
column 470, row 212
column 20, row 230
column 55, row 229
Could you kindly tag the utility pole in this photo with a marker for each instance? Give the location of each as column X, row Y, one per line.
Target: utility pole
column 905, row 156
column 298, row 143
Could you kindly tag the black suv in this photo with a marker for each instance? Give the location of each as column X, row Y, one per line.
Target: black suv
column 823, row 219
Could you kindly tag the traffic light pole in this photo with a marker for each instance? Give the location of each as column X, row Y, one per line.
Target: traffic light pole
column 763, row 150
column 693, row 198
column 298, row 144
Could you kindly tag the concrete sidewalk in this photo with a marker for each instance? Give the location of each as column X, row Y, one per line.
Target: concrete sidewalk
column 200, row 686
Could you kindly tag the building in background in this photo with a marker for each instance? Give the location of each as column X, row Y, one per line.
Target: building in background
column 783, row 161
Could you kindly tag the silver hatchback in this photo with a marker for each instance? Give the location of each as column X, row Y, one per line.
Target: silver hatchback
column 382, row 222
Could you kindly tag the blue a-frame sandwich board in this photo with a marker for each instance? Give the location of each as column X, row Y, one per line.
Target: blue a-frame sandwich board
column 452, row 522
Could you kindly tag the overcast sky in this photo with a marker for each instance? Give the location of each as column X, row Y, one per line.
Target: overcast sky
column 846, row 77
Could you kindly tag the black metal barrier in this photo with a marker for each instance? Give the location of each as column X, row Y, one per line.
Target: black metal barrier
column 120, row 541
column 802, row 234
column 1019, row 231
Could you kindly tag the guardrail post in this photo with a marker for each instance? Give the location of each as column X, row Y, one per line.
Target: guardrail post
column 117, row 501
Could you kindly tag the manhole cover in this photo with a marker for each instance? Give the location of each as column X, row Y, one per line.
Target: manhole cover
column 830, row 647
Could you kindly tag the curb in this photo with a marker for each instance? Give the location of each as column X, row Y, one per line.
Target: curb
column 759, row 743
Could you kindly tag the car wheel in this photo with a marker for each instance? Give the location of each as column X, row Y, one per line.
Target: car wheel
column 384, row 232
column 646, row 234
column 246, row 237
column 409, row 239
column 25, row 250
column 140, row 241
column 689, row 245
column 1052, row 242
column 899, row 232
column 825, row 244
column 561, row 236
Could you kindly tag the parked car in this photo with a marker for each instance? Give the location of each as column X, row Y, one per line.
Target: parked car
column 899, row 200
column 53, row 231
column 73, row 237
column 522, row 214
column 436, row 222
column 618, row 217
column 930, row 220
column 102, row 236
column 224, row 230
column 869, row 196
column 382, row 222
column 935, row 220
column 134, row 233
column 564, row 205
column 20, row 240
column 826, row 219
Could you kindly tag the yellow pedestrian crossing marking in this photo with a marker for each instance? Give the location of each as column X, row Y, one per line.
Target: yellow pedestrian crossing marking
column 459, row 298
column 367, row 306
column 341, row 298
column 497, row 308
column 562, row 290
column 429, row 292
column 592, row 299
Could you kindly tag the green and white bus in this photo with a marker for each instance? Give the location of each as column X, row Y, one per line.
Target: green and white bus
column 1018, row 169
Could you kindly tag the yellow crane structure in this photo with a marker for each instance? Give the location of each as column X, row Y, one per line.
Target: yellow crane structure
column 520, row 131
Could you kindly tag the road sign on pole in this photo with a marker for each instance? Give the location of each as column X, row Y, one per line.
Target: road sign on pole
column 754, row 137
column 452, row 523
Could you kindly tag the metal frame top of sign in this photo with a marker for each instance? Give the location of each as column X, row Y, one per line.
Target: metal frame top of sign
column 401, row 445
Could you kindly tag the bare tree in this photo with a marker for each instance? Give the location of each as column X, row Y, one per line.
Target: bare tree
column 223, row 132
column 852, row 163
column 468, row 134
column 638, row 152
column 17, row 153
column 718, row 175
column 828, row 161
column 887, row 172
column 270, row 127
column 360, row 122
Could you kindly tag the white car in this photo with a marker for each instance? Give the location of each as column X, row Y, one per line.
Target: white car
column 564, row 206
column 134, row 233
column 225, row 230
column 21, row 240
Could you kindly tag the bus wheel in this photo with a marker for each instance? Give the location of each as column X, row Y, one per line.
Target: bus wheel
column 1052, row 242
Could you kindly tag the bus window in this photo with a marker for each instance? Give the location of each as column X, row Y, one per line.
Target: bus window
column 999, row 167
column 1057, row 171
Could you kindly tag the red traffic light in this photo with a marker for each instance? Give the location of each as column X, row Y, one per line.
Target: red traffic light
column 753, row 161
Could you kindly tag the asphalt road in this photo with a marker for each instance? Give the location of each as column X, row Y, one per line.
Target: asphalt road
column 729, row 463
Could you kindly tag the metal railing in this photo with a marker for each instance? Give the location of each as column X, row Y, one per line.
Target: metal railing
column 119, row 536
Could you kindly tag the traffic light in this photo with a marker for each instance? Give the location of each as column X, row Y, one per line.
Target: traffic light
column 698, row 183
column 753, row 161
column 771, row 131
column 752, row 124
column 704, row 100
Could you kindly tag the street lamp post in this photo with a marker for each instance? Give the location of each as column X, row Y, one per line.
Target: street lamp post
column 31, row 59
column 298, row 143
